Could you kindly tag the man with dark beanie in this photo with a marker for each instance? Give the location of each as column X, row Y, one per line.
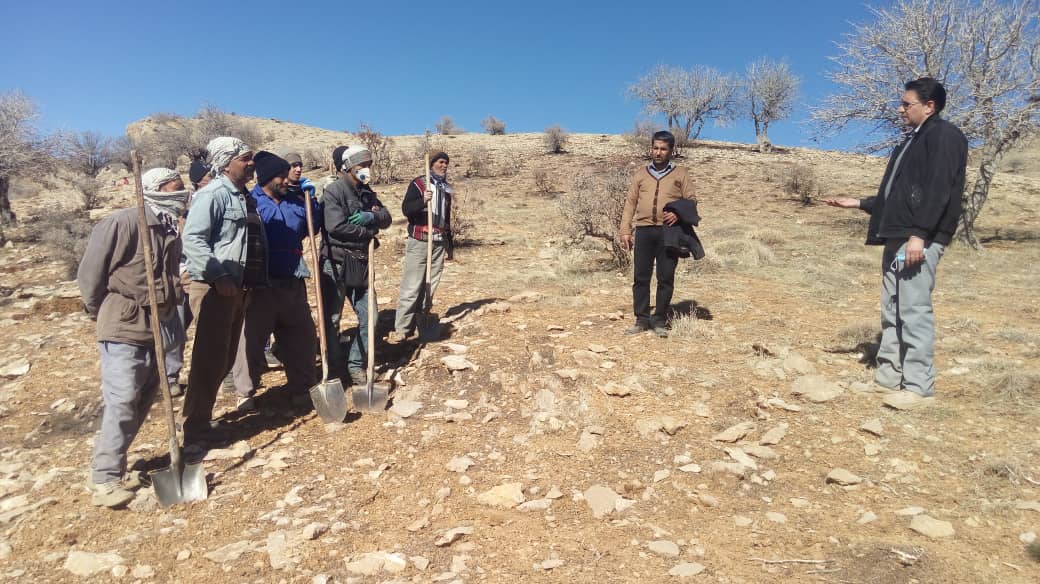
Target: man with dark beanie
column 199, row 174
column 353, row 217
column 281, row 307
column 413, row 272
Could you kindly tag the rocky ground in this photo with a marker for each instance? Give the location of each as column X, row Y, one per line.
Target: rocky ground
column 536, row 443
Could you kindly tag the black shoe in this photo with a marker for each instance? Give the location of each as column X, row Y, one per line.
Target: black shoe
column 637, row 328
column 661, row 332
column 176, row 389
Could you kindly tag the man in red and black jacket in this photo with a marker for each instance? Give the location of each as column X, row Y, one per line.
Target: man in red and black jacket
column 418, row 200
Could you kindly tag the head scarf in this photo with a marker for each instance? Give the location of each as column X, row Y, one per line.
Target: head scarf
column 223, row 150
column 171, row 204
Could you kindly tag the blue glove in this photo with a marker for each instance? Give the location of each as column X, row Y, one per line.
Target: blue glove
column 362, row 218
column 308, row 186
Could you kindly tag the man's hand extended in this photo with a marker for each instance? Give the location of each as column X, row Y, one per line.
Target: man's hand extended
column 914, row 251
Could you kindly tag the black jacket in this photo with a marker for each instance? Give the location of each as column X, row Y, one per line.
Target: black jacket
column 680, row 239
column 340, row 236
column 925, row 200
column 414, row 207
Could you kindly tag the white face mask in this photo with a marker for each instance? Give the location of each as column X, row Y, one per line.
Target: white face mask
column 363, row 174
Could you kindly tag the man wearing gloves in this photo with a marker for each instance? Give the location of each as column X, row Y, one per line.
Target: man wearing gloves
column 281, row 308
column 225, row 247
column 413, row 274
column 353, row 216
column 113, row 283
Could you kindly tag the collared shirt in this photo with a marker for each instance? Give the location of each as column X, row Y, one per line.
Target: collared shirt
column 285, row 223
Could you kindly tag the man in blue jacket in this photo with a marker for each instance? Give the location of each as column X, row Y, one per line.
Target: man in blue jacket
column 281, row 308
column 914, row 216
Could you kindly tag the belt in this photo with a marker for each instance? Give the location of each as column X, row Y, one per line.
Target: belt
column 421, row 233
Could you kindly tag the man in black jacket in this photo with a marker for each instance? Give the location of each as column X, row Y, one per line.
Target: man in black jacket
column 353, row 217
column 914, row 216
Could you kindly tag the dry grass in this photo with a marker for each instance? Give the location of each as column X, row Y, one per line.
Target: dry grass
column 688, row 327
column 855, row 336
column 747, row 253
column 1016, row 387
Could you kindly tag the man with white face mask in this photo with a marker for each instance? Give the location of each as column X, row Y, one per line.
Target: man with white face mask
column 353, row 217
column 114, row 288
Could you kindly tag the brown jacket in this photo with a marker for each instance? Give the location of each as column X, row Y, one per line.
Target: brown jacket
column 112, row 278
column 647, row 197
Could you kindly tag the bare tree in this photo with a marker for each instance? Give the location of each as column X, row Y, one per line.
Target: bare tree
column 20, row 147
column 385, row 157
column 687, row 98
column 493, row 126
column 89, row 152
column 595, row 204
column 770, row 90
column 446, row 126
column 985, row 52
column 556, row 139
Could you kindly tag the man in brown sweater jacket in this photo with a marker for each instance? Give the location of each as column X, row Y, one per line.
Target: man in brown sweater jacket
column 642, row 227
column 114, row 289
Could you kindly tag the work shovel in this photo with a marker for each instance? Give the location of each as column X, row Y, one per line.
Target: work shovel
column 428, row 323
column 328, row 396
column 180, row 483
column 373, row 397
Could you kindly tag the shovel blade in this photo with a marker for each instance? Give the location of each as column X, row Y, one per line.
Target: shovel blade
column 330, row 401
column 372, row 398
column 429, row 326
column 173, row 486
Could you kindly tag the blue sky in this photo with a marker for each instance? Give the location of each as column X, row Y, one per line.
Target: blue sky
column 400, row 65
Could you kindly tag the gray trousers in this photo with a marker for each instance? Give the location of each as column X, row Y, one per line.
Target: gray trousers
column 413, row 280
column 129, row 382
column 905, row 359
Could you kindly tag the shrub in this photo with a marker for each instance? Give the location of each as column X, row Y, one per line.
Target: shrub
column 447, row 127
column 480, row 162
column 385, row 158
column 640, row 137
column 556, row 139
column 493, row 126
column 595, row 203
column 64, row 235
column 800, row 180
column 88, row 187
column 543, row 181
column 464, row 207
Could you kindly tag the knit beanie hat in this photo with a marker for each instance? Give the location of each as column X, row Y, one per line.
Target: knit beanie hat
column 197, row 170
column 293, row 158
column 352, row 156
column 268, row 166
column 438, row 155
column 337, row 156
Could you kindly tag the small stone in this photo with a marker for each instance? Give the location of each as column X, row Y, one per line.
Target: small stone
column 456, row 404
column 535, row 505
column 734, row 433
column 459, row 464
column 871, row 449
column 602, row 500
column 906, row 400
column 686, row 570
column 368, row 564
column 597, row 348
column 420, row 562
column 119, row 571
column 142, row 571
column 701, row 410
column 873, row 426
column 554, row 493
column 314, row 530
column 910, row 511
column 708, row 500
column 931, row 527
column 867, row 517
column 86, row 564
column 843, row 477
column 238, row 450
column 457, row 363
column 183, row 555
column 661, row 475
column 586, row 359
column 229, row 552
column 664, row 548
column 776, row 517
column 741, row 521
column 419, row 524
column 506, row 496
column 404, row 408
column 740, row 456
column 795, row 363
column 1027, row 538
column 549, row 564
column 774, row 435
column 816, row 388
column 1027, row 505
column 15, row 368
column 734, row 468
column 615, row 390
column 452, row 535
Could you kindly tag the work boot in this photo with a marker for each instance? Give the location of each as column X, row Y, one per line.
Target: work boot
column 639, row 327
column 660, row 326
column 246, row 405
column 112, row 494
column 396, row 338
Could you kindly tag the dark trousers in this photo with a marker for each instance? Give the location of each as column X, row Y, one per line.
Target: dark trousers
column 649, row 248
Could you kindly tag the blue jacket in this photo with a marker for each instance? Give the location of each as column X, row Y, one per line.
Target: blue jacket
column 285, row 224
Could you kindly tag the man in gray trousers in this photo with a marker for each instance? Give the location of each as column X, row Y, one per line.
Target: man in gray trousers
column 114, row 288
column 914, row 216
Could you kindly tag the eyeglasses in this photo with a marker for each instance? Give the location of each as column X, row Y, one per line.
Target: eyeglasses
column 907, row 104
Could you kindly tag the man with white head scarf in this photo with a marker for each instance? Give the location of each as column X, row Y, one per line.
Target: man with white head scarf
column 225, row 249
column 114, row 288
